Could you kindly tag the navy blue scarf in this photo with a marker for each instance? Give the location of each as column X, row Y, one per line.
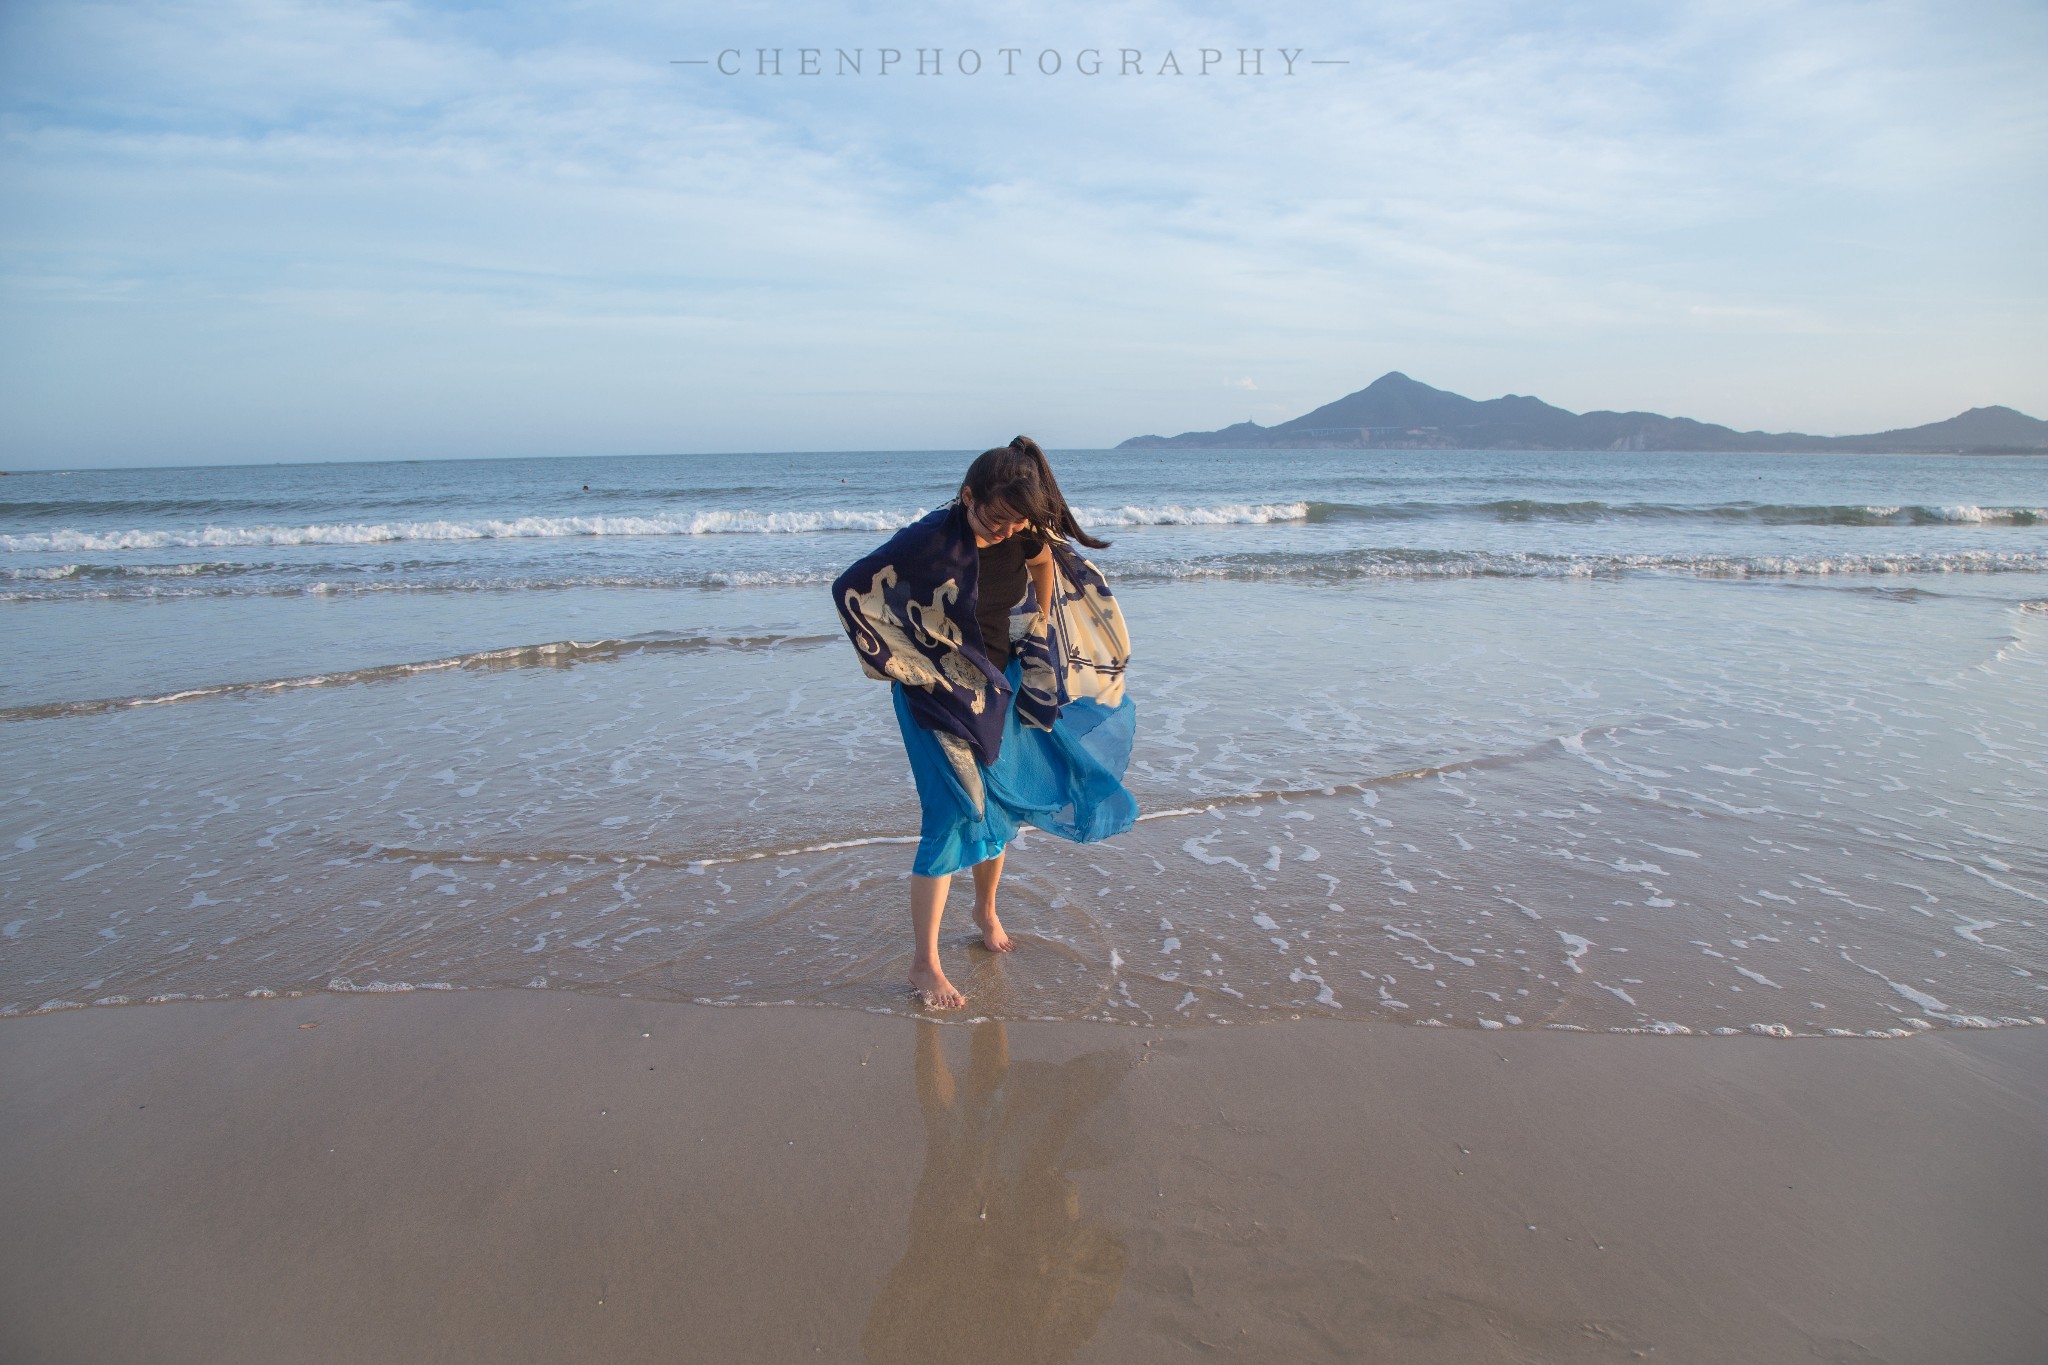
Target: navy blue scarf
column 909, row 609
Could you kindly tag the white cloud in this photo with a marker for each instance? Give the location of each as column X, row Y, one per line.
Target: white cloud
column 515, row 231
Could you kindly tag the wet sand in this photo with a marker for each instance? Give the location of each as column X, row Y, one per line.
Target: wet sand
column 531, row 1175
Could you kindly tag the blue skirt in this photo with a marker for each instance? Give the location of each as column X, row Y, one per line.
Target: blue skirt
column 1066, row 781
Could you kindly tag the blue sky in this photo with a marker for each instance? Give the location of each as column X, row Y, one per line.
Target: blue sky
column 250, row 230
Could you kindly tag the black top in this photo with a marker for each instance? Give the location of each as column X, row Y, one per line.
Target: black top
column 1002, row 583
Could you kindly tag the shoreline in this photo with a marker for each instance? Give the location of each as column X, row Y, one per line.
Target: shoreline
column 1290, row 1013
column 514, row 1175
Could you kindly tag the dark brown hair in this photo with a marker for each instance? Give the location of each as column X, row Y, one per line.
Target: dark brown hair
column 1016, row 477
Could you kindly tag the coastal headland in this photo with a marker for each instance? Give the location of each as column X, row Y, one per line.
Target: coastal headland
column 1395, row 412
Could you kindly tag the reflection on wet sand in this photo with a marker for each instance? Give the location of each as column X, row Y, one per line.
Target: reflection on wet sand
column 1002, row 1264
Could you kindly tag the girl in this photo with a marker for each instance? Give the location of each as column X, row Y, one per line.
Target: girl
column 1007, row 652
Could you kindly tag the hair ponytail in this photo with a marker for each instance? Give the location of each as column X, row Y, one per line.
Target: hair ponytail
column 1053, row 514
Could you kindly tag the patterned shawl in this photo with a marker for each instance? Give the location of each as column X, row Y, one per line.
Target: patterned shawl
column 910, row 610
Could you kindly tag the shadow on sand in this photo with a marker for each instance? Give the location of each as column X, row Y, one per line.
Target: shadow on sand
column 1003, row 1265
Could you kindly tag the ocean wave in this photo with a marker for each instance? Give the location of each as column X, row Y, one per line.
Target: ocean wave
column 1414, row 563
column 553, row 654
column 710, row 522
column 1768, row 514
column 518, row 528
column 1301, row 567
column 216, row 576
column 55, row 509
column 1174, row 514
column 716, row 521
column 61, row 573
column 299, row 586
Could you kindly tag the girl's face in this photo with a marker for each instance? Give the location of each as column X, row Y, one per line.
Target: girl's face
column 993, row 524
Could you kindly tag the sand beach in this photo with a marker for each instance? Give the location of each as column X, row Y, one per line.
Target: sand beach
column 537, row 1176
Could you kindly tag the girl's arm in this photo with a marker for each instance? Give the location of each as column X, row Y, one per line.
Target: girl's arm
column 1041, row 577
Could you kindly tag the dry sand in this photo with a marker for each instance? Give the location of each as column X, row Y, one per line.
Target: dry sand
column 532, row 1176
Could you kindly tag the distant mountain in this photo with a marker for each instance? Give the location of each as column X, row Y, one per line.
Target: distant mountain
column 1395, row 412
column 1980, row 429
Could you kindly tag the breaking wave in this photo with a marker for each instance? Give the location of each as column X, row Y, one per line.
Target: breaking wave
column 703, row 523
column 1228, row 514
column 1766, row 514
column 1415, row 563
column 1296, row 566
column 743, row 522
column 517, row 528
column 554, row 654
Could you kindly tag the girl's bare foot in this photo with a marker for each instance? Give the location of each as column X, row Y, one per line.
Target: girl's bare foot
column 992, row 936
column 932, row 987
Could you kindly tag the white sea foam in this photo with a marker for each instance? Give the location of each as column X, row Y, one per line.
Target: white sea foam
column 553, row 654
column 1918, row 997
column 1778, row 514
column 717, row 521
column 1975, row 515
column 115, row 582
column 343, row 985
column 1175, row 514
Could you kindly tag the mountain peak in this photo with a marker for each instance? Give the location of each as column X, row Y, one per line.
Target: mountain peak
column 1397, row 412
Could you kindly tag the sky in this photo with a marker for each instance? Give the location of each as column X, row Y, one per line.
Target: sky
column 278, row 230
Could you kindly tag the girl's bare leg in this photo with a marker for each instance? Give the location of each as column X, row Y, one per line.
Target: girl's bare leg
column 986, row 876
column 927, row 905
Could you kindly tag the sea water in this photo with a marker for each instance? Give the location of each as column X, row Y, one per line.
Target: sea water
column 1680, row 743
